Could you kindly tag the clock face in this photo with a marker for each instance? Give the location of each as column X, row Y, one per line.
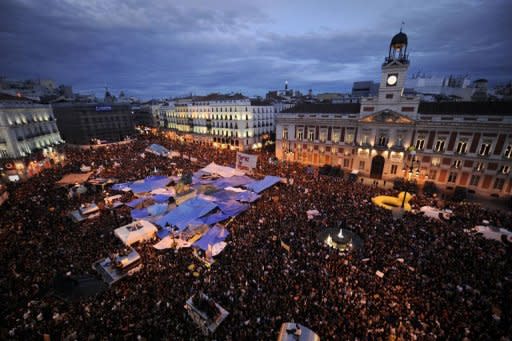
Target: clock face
column 392, row 80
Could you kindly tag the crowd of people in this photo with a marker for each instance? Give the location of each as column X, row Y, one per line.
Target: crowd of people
column 438, row 282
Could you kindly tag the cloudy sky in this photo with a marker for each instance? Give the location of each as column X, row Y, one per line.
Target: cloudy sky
column 162, row 48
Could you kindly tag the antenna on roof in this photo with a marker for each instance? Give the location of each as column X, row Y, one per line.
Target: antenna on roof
column 402, row 26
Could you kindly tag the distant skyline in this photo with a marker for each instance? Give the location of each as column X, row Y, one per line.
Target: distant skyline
column 155, row 49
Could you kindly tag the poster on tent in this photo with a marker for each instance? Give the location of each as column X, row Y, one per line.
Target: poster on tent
column 246, row 162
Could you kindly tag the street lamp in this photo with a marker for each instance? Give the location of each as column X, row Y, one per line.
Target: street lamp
column 412, row 172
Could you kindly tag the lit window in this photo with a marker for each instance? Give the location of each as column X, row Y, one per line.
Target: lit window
column 436, row 161
column 485, row 148
column 349, row 138
column 311, row 135
column 479, row 167
column 461, row 147
column 285, row 134
column 439, row 146
column 364, row 140
column 335, row 137
column 361, row 164
column 300, row 134
column 323, row 136
column 394, row 169
column 420, row 143
column 508, row 151
column 505, row 169
column 346, row 163
column 457, row 164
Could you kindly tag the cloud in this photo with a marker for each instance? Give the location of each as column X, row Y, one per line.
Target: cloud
column 157, row 48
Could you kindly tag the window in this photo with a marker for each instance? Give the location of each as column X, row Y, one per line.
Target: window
column 364, row 140
column 457, row 163
column 349, row 138
column 479, row 166
column 508, row 152
column 311, row 135
column 323, row 135
column 475, row 179
column 335, row 137
column 389, row 96
column 383, row 140
column 436, row 161
column 461, row 147
column 432, row 174
column 485, row 148
column 505, row 169
column 346, row 163
column 399, row 141
column 300, row 135
column 361, row 164
column 498, row 183
column 394, row 169
column 285, row 133
column 439, row 147
column 452, row 177
column 420, row 143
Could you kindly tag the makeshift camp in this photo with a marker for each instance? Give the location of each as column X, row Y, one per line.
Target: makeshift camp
column 205, row 313
column 125, row 264
column 261, row 185
column 214, row 235
column 233, row 181
column 146, row 185
column 186, row 213
column 86, row 211
column 135, row 232
column 157, row 150
column 225, row 172
column 74, row 178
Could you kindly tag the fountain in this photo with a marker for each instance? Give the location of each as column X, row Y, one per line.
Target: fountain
column 342, row 239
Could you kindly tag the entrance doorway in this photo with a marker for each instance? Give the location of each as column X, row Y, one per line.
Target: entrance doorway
column 377, row 167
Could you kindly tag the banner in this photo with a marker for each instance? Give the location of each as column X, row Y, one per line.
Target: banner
column 246, row 162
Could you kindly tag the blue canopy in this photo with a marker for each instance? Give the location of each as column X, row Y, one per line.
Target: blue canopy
column 150, row 183
column 186, row 212
column 139, row 213
column 232, row 207
column 161, row 198
column 224, row 195
column 214, row 218
column 261, row 185
column 233, row 181
column 214, row 235
column 247, row 196
column 135, row 202
column 121, row 186
column 163, row 233
column 157, row 209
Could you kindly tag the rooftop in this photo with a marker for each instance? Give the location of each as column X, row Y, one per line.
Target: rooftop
column 341, row 108
column 466, row 108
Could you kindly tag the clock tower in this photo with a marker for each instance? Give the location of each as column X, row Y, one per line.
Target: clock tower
column 391, row 89
column 394, row 70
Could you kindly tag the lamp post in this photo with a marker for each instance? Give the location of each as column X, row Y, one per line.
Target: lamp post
column 412, row 172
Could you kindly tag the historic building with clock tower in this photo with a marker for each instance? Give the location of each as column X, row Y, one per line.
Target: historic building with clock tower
column 450, row 144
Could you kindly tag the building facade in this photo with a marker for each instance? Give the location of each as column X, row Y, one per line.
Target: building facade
column 26, row 127
column 453, row 144
column 228, row 121
column 84, row 123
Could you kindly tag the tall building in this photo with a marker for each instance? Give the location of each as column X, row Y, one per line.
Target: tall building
column 456, row 144
column 25, row 127
column 233, row 121
column 84, row 123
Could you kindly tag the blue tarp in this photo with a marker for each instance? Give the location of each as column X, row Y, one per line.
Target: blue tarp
column 233, row 181
column 214, row 235
column 186, row 212
column 139, row 213
column 214, row 218
column 161, row 198
column 247, row 196
column 150, row 183
column 135, row 202
column 261, row 185
column 163, row 233
column 232, row 207
column 223, row 195
column 158, row 149
column 157, row 209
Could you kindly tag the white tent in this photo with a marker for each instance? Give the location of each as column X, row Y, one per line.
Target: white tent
column 225, row 172
column 135, row 232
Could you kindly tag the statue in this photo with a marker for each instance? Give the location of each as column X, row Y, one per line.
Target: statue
column 340, row 235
